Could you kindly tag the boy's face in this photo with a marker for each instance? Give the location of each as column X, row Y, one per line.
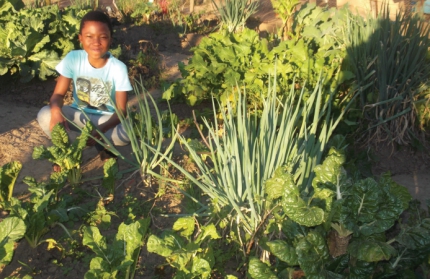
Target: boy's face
column 96, row 39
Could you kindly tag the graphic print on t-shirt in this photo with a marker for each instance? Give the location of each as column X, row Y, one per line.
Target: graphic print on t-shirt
column 93, row 93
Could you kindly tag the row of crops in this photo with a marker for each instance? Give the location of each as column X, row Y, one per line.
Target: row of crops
column 273, row 188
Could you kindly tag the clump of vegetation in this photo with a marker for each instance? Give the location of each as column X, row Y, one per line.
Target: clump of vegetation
column 33, row 41
column 393, row 56
column 66, row 155
column 268, row 181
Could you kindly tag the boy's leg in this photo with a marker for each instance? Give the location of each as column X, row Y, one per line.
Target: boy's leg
column 117, row 135
column 72, row 114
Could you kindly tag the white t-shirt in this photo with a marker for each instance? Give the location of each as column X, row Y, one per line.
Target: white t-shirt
column 90, row 85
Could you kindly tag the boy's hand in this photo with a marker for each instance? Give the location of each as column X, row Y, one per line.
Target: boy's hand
column 58, row 118
column 91, row 141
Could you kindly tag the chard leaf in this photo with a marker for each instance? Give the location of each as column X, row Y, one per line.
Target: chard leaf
column 40, row 152
column 60, row 137
column 275, row 185
column 132, row 235
column 302, row 212
column 361, row 269
column 369, row 208
column 208, row 231
column 417, row 237
column 6, row 251
column 180, row 259
column 185, row 225
column 110, row 170
column 98, row 263
column 11, row 229
column 166, row 245
column 94, row 240
column 201, row 267
column 329, row 171
column 397, row 190
column 312, row 254
column 99, row 269
column 260, row 270
column 283, row 251
column 370, row 250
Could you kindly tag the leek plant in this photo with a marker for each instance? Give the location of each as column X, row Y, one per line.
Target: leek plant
column 233, row 14
column 247, row 150
column 394, row 55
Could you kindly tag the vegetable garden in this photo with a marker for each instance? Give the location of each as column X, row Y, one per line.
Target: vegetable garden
column 266, row 177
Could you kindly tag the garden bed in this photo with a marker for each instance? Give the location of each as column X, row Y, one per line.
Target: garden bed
column 19, row 134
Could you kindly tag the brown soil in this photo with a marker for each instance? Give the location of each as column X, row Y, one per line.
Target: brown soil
column 19, row 134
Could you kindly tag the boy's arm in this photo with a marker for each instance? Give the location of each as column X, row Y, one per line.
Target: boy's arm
column 114, row 120
column 121, row 105
column 57, row 100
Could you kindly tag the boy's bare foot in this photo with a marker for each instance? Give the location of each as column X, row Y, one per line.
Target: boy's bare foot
column 106, row 155
column 56, row 168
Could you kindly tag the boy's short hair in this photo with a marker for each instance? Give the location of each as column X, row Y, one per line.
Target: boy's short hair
column 96, row 16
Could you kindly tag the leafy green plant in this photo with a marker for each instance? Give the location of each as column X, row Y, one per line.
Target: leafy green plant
column 233, row 14
column 224, row 61
column 189, row 253
column 67, row 155
column 285, row 10
column 116, row 259
column 146, row 66
column 344, row 227
column 32, row 41
column 393, row 54
column 143, row 12
column 221, row 62
column 314, row 49
column 40, row 213
column 110, row 171
column 8, row 175
column 100, row 217
column 12, row 229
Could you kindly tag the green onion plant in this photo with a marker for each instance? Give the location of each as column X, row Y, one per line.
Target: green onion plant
column 233, row 14
column 146, row 135
column 394, row 55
